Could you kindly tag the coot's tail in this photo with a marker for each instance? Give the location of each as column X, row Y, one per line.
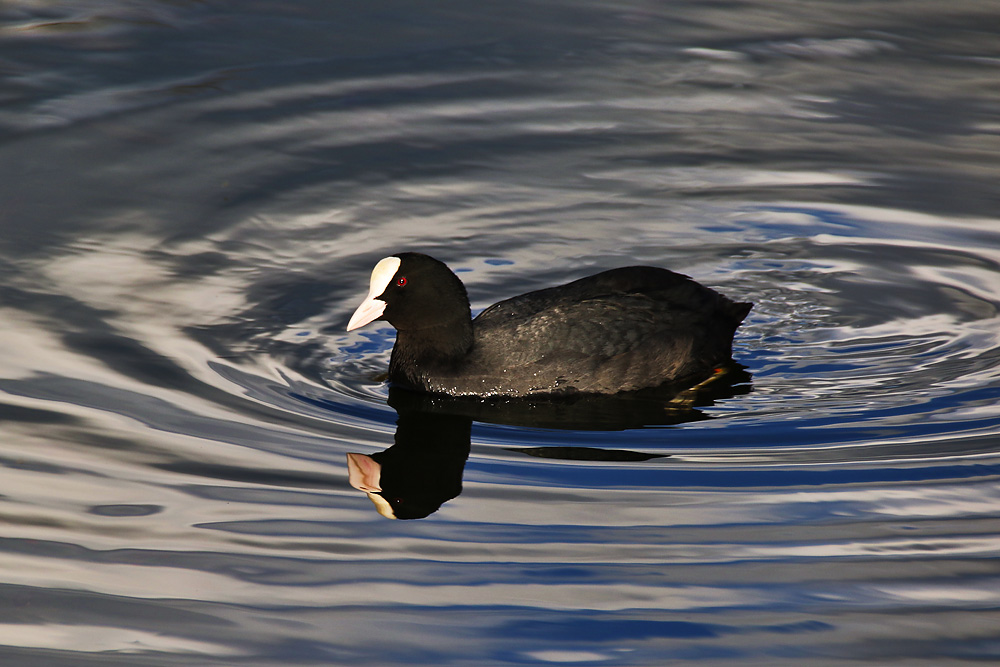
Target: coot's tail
column 738, row 310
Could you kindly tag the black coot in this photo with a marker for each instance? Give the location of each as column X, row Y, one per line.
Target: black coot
column 621, row 330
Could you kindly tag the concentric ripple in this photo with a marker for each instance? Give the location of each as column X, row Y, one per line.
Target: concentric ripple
column 862, row 350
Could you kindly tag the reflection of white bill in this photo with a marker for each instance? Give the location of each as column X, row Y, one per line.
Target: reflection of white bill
column 364, row 474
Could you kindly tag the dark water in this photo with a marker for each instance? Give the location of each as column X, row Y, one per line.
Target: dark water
column 192, row 195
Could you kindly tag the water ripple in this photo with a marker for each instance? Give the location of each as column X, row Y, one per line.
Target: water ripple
column 186, row 236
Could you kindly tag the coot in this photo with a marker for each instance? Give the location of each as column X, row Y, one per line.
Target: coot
column 620, row 330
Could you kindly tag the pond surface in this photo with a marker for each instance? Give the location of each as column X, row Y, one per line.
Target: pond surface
column 193, row 195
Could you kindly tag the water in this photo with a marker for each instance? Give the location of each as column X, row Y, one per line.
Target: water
column 193, row 195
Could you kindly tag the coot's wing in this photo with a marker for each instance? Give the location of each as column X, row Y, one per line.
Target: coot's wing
column 604, row 345
column 598, row 328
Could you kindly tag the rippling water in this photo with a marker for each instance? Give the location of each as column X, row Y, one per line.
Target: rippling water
column 193, row 194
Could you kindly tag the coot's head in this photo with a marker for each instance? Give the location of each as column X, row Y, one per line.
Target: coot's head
column 412, row 291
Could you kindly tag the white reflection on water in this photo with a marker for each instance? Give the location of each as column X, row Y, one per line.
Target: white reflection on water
column 714, row 177
column 567, row 656
column 100, row 638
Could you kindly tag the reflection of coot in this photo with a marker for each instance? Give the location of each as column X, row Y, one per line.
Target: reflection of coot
column 421, row 471
column 621, row 330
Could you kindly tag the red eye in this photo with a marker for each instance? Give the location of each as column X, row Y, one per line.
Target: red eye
column 401, row 281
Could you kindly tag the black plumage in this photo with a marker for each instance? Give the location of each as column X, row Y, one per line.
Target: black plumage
column 620, row 330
